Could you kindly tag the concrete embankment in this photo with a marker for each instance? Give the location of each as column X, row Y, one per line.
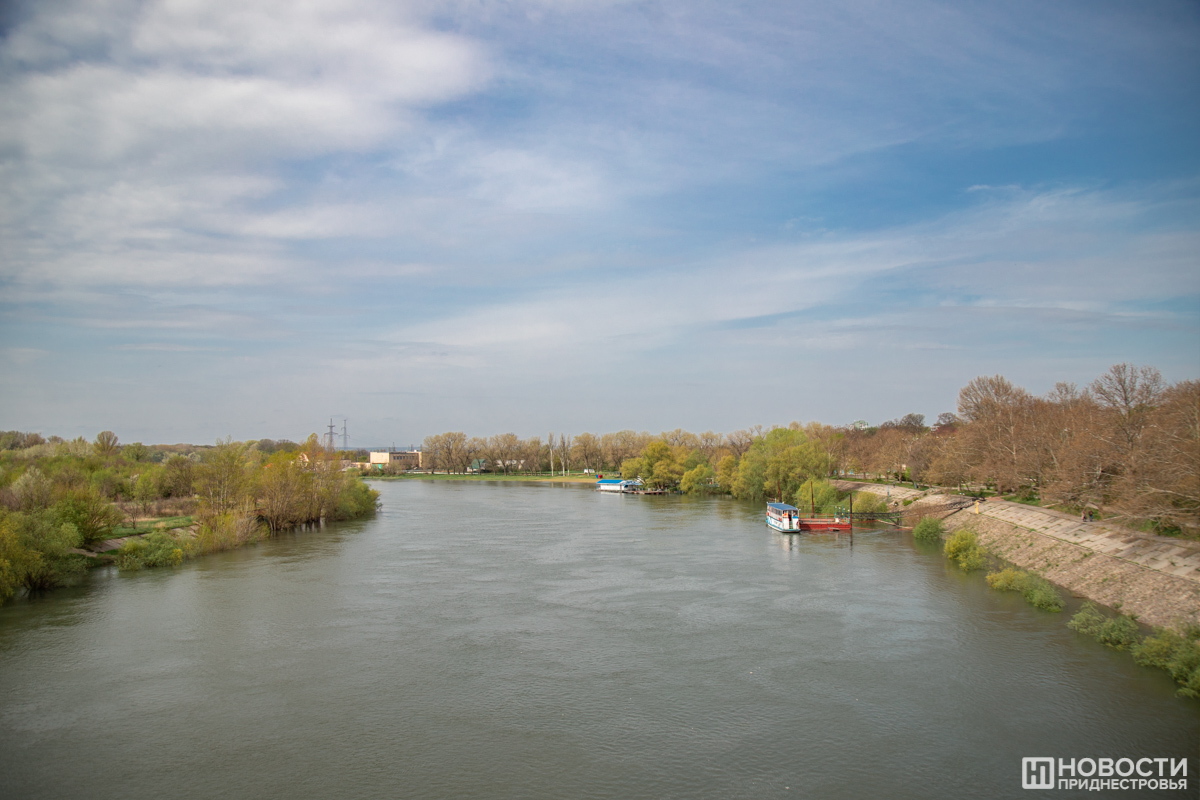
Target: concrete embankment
column 1154, row 596
column 1155, row 578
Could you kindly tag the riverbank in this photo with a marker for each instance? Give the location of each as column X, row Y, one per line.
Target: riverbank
column 1153, row 595
column 1155, row 578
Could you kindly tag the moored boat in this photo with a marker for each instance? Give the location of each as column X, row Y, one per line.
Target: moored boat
column 618, row 485
column 786, row 518
column 783, row 517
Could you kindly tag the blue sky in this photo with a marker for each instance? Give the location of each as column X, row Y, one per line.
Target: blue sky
column 229, row 218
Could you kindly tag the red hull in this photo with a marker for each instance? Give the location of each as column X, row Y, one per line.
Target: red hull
column 819, row 524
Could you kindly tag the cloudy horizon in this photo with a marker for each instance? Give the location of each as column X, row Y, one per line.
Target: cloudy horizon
column 221, row 219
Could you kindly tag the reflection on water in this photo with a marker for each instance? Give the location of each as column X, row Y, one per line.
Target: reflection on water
column 526, row 640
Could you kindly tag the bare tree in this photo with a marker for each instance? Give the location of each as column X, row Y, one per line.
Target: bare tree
column 587, row 450
column 473, row 449
column 433, row 452
column 564, row 452
column 709, row 444
column 739, row 442
column 681, row 438
column 456, row 451
column 999, row 414
column 622, row 445
column 531, row 454
column 1162, row 484
column 1130, row 393
column 503, row 451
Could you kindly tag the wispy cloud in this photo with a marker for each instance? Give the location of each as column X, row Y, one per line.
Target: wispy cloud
column 629, row 202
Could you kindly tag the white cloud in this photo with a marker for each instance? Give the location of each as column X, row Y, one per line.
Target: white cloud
column 1047, row 250
column 435, row 194
column 24, row 355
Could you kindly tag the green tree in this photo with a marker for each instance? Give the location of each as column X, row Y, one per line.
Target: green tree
column 147, row 489
column 819, row 494
column 135, row 452
column 665, row 469
column 90, row 514
column 220, row 477
column 285, row 493
column 177, row 477
column 700, row 479
column 727, row 472
column 634, row 468
column 35, row 552
column 777, row 463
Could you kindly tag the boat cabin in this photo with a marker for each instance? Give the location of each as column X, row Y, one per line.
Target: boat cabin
column 783, row 517
column 618, row 485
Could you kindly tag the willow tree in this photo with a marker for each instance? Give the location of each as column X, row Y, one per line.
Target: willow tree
column 777, row 463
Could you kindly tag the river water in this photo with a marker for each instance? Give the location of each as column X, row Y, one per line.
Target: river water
column 503, row 640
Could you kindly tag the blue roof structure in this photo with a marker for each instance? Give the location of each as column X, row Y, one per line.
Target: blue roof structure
column 782, row 507
column 610, row 480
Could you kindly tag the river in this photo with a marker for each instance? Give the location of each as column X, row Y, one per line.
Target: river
column 507, row 640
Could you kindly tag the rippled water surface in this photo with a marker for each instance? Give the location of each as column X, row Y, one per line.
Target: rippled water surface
column 538, row 641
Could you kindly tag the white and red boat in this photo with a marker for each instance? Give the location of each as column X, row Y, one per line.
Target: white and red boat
column 783, row 517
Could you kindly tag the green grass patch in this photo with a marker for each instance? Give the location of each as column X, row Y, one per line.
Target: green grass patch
column 1037, row 591
column 161, row 524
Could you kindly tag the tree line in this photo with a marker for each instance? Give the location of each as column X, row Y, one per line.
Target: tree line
column 57, row 496
column 1127, row 445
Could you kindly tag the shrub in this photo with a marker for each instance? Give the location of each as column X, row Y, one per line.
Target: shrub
column 35, row 552
column 1178, row 655
column 225, row 532
column 963, row 548
column 929, row 529
column 1007, row 580
column 1119, row 632
column 355, row 499
column 158, row 549
column 92, row 515
column 867, row 502
column 32, row 491
column 1037, row 591
column 1041, row 594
